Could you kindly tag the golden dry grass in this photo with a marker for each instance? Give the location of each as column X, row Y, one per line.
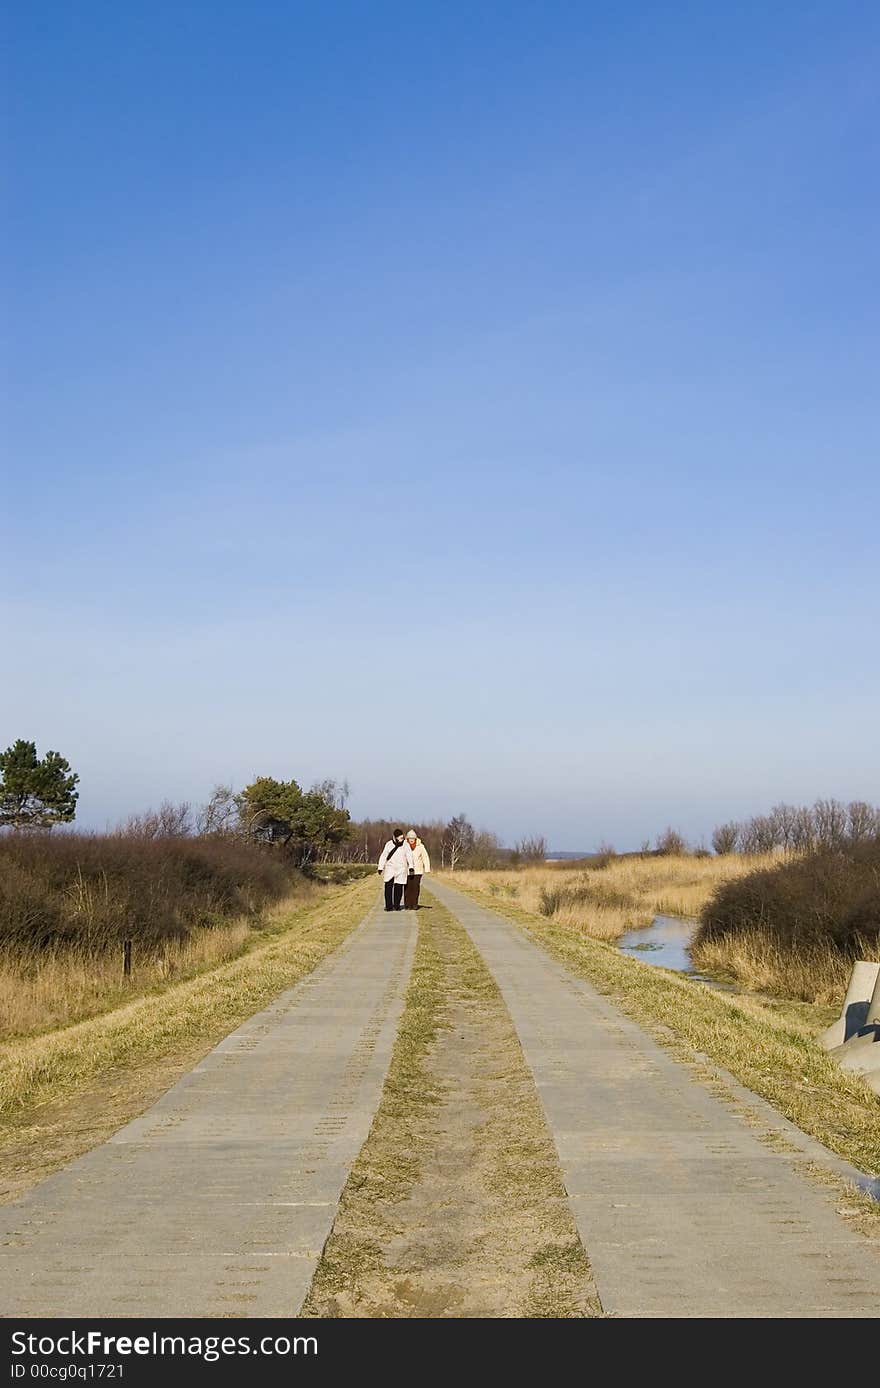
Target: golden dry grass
column 626, row 893
column 607, row 901
column 53, row 988
column 815, row 973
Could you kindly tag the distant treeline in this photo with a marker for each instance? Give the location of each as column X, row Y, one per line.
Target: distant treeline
column 456, row 844
column 800, row 828
column 315, row 827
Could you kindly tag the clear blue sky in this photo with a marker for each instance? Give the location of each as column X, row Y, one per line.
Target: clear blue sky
column 476, row 401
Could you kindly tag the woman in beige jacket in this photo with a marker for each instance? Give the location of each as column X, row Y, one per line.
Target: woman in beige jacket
column 421, row 864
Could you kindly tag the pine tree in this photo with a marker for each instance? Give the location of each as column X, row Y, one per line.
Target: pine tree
column 35, row 794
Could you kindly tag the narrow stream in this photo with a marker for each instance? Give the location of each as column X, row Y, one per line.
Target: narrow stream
column 666, row 941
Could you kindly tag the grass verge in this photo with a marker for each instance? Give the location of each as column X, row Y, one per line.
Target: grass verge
column 390, row 1162
column 62, row 1092
column 770, row 1052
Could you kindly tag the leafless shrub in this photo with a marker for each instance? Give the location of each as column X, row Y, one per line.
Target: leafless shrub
column 168, row 822
column 219, row 814
column 605, row 853
column 725, row 837
column 670, row 843
column 89, row 891
column 830, row 896
column 531, row 850
column 485, row 851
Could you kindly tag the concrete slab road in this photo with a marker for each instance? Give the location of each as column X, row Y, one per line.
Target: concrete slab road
column 218, row 1200
column 683, row 1211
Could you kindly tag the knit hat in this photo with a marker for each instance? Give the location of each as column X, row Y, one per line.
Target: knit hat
column 411, row 834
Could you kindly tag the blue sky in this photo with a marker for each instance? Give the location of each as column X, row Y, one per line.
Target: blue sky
column 479, row 402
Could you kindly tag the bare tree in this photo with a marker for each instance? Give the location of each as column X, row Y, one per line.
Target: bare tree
column 531, row 850
column 803, row 830
column 219, row 814
column 725, row 837
column 168, row 822
column 782, row 819
column 335, row 793
column 863, row 821
column 800, row 829
column 458, row 840
column 830, row 821
column 759, row 834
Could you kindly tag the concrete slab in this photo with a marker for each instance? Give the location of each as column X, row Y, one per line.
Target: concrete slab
column 218, row 1200
column 683, row 1211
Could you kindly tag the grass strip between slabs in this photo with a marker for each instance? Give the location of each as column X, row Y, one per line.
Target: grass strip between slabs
column 66, row 1090
column 770, row 1055
column 455, row 1206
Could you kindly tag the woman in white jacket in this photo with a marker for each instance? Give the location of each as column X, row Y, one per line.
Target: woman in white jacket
column 421, row 865
column 394, row 863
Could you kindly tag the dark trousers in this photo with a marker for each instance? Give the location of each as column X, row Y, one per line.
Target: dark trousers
column 411, row 891
column 393, row 893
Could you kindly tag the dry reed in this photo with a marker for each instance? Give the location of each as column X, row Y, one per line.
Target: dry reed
column 617, row 896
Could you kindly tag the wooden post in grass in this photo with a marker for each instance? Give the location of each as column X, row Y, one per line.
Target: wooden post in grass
column 126, row 958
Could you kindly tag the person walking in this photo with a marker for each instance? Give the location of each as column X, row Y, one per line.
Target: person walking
column 395, row 862
column 421, row 865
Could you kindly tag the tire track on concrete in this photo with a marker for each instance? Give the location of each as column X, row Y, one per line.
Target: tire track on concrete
column 682, row 1209
column 218, row 1200
column 455, row 1206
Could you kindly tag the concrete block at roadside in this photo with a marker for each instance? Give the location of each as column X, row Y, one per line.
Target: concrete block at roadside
column 862, row 995
column 861, row 1054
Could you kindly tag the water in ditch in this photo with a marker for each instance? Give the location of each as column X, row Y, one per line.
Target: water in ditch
column 666, row 941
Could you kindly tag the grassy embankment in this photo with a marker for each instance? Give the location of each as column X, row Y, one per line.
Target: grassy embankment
column 63, row 1091
column 768, row 1045
column 456, row 1204
column 67, row 903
